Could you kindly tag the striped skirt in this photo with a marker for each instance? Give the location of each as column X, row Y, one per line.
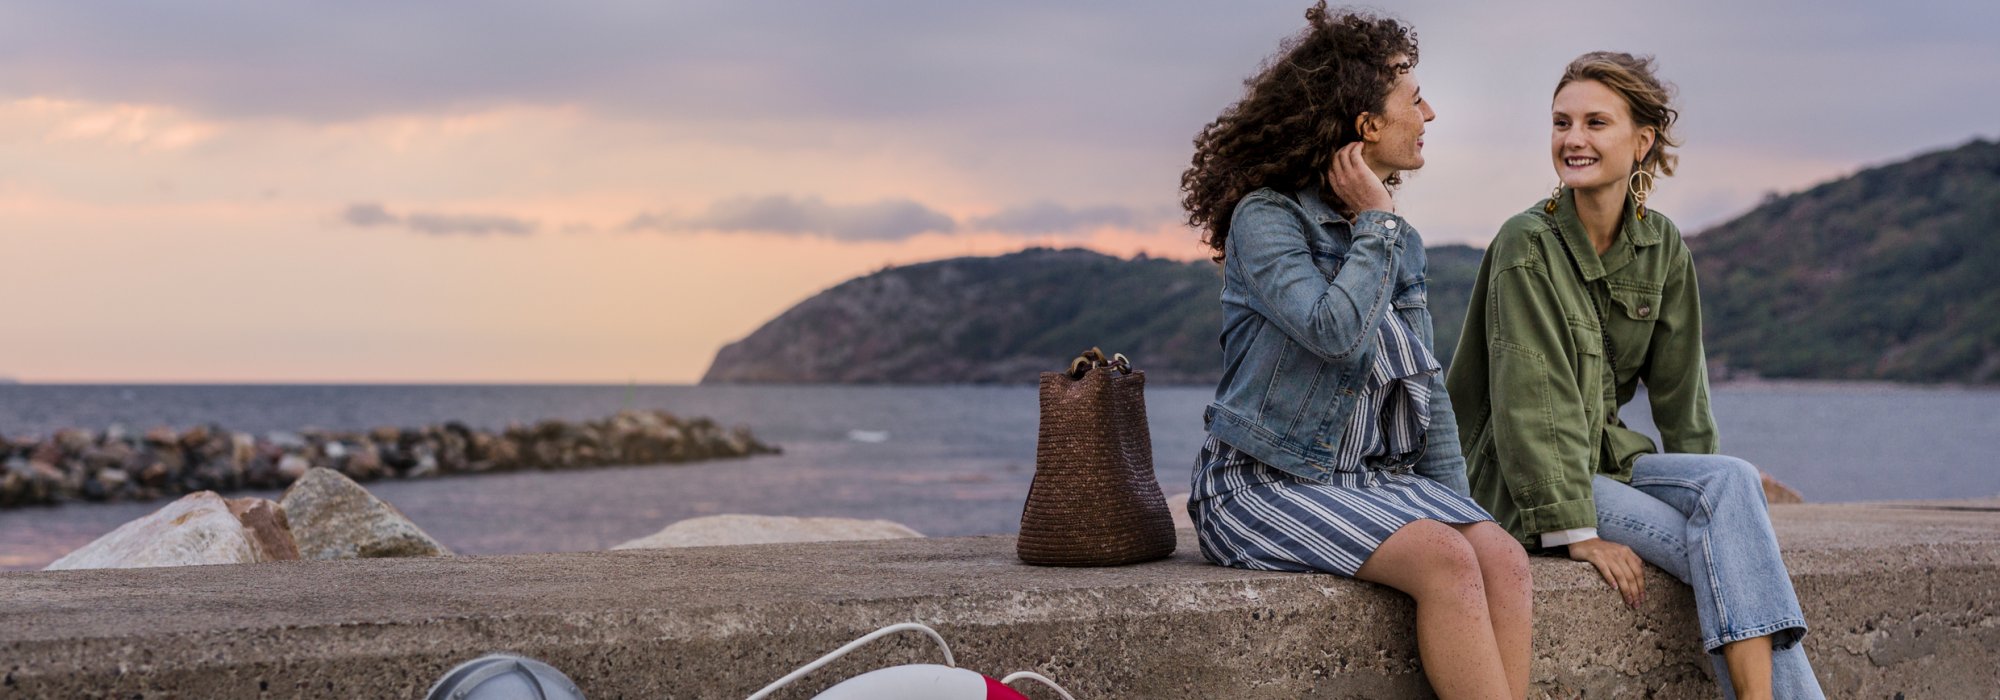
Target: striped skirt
column 1252, row 516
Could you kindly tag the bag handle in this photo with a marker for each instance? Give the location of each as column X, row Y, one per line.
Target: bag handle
column 1095, row 358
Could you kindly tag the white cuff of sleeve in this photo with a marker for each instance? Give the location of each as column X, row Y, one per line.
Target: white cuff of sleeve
column 1570, row 536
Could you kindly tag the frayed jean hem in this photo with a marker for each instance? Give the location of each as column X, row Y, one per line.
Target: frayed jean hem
column 1783, row 633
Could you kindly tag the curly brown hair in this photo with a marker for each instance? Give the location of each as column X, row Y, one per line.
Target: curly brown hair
column 1299, row 108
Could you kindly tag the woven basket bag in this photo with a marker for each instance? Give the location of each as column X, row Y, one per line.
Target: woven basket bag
column 1094, row 501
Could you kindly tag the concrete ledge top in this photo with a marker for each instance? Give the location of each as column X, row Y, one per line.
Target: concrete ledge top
column 741, row 616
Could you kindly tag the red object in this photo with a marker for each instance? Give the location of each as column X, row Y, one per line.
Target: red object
column 996, row 691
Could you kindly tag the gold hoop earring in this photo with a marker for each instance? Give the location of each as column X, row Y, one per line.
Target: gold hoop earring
column 1641, row 187
column 1554, row 196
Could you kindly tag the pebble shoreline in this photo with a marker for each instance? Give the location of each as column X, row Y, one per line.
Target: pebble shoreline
column 119, row 465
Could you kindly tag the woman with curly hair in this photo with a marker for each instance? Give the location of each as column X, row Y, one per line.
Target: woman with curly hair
column 1331, row 443
column 1579, row 299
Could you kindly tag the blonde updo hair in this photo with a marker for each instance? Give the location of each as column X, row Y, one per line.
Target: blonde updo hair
column 1633, row 79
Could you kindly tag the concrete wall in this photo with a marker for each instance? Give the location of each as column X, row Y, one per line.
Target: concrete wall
column 1901, row 600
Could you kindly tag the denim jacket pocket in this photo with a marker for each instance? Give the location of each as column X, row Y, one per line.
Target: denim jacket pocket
column 1327, row 262
column 1412, row 296
column 1413, row 304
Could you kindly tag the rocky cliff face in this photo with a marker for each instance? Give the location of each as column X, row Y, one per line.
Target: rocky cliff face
column 1892, row 273
column 1006, row 319
column 988, row 320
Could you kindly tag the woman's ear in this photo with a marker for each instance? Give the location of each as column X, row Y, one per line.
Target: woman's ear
column 1366, row 127
column 1647, row 135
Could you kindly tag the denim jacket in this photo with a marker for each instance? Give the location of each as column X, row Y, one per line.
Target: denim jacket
column 1303, row 293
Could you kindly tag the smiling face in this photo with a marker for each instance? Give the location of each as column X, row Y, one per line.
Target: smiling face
column 1593, row 140
column 1395, row 137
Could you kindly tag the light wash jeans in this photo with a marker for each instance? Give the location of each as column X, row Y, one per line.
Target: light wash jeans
column 1702, row 518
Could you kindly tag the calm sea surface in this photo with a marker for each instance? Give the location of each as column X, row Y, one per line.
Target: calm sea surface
column 956, row 460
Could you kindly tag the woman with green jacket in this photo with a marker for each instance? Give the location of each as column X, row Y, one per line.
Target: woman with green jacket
column 1579, row 300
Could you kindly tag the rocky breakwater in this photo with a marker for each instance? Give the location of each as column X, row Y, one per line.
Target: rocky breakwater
column 116, row 464
column 324, row 515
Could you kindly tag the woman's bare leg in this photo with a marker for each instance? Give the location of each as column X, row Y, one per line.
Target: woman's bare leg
column 1510, row 593
column 1435, row 565
column 1749, row 663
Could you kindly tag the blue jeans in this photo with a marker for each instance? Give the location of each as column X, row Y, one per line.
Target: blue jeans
column 1702, row 518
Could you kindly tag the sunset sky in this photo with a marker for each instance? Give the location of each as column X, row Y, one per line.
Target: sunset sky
column 608, row 192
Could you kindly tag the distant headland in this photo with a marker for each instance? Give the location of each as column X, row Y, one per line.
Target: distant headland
column 1890, row 274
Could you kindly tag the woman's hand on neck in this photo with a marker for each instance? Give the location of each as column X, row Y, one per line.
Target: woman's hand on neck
column 1354, row 179
column 1602, row 211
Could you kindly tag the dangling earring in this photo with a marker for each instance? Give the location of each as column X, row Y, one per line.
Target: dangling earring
column 1641, row 186
column 1553, row 197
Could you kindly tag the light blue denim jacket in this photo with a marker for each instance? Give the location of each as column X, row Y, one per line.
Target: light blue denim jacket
column 1303, row 293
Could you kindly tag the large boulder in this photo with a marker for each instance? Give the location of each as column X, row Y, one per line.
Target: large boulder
column 264, row 522
column 767, row 529
column 1776, row 491
column 334, row 518
column 200, row 528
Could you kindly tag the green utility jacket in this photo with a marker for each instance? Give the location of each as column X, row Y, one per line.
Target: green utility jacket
column 1537, row 403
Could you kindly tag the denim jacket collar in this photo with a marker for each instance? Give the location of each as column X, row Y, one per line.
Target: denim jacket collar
column 1321, row 212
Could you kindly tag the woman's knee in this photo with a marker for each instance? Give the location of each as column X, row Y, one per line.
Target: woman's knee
column 1449, row 548
column 1446, row 560
column 1455, row 563
column 1738, row 467
column 1736, row 474
column 1502, row 560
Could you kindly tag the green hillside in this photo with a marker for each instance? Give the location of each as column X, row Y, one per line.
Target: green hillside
column 1007, row 318
column 1890, row 274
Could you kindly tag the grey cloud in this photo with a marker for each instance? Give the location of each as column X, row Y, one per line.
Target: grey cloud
column 885, row 220
column 978, row 70
column 1066, row 70
column 1001, row 87
column 1030, row 99
column 1050, row 217
column 370, row 214
column 472, row 223
column 652, row 222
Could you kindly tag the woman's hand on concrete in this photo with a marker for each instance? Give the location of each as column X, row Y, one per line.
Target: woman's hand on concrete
column 1355, row 182
column 1618, row 564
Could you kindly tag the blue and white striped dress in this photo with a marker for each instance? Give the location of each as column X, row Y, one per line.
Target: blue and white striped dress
column 1252, row 516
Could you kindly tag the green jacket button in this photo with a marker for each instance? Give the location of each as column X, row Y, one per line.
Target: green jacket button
column 1645, row 311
